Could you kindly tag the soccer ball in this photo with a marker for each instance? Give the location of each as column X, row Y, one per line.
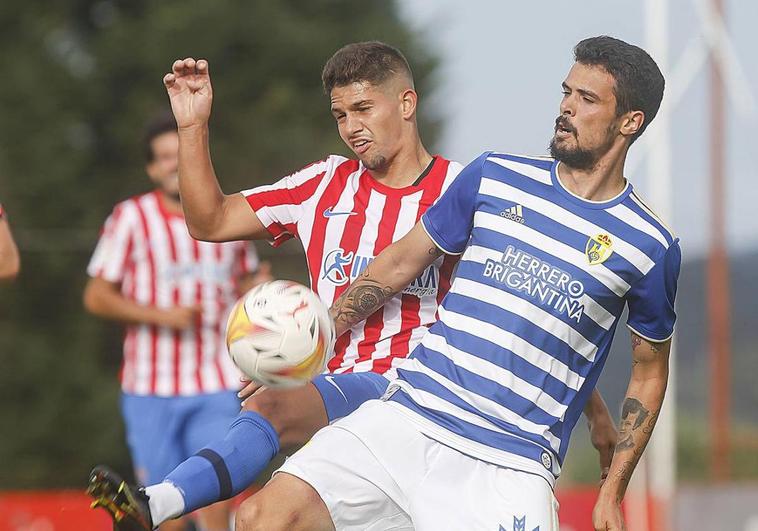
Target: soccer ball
column 280, row 334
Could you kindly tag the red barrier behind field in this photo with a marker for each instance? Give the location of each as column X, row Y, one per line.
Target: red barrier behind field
column 69, row 511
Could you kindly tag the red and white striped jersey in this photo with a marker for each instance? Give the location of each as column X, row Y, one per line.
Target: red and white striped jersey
column 344, row 218
column 150, row 252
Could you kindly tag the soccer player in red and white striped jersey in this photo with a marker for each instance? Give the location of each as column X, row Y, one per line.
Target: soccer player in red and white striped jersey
column 344, row 217
column 173, row 292
column 344, row 212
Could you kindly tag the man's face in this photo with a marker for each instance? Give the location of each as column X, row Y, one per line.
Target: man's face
column 587, row 125
column 370, row 121
column 163, row 169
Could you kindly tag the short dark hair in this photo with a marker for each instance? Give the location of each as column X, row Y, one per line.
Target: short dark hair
column 371, row 61
column 158, row 125
column 639, row 81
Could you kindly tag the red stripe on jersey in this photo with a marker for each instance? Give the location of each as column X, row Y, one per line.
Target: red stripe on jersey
column 127, row 366
column 151, row 268
column 315, row 251
column 375, row 322
column 198, row 329
column 351, row 238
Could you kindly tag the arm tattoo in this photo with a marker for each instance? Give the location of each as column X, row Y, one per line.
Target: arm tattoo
column 360, row 300
column 633, row 415
column 434, row 251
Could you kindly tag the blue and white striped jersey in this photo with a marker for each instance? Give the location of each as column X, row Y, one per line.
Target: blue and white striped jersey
column 526, row 327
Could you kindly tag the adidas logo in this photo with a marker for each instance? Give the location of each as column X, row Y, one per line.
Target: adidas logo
column 514, row 213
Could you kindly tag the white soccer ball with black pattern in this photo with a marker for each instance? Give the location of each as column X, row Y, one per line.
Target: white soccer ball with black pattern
column 280, row 334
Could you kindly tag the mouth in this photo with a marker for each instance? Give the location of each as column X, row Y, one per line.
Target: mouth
column 564, row 129
column 360, row 146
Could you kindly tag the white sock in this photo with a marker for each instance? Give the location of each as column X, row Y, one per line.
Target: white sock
column 166, row 502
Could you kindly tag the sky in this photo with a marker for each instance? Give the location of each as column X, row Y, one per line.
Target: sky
column 499, row 86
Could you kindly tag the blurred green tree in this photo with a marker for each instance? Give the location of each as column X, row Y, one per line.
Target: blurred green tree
column 80, row 78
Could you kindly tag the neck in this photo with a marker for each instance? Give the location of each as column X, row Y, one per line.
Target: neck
column 604, row 181
column 170, row 203
column 404, row 168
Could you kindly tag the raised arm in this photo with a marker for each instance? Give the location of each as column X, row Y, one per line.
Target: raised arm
column 210, row 214
column 9, row 259
column 391, row 271
column 642, row 404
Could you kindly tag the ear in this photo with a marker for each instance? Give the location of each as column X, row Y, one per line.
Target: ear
column 631, row 122
column 408, row 102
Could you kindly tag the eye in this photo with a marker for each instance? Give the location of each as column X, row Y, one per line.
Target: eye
column 588, row 100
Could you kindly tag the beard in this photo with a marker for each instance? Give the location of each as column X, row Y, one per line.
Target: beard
column 577, row 157
column 377, row 162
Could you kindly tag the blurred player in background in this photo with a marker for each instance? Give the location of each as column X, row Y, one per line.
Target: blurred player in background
column 9, row 259
column 344, row 212
column 473, row 432
column 173, row 293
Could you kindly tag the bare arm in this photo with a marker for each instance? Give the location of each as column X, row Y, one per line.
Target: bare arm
column 9, row 258
column 210, row 214
column 603, row 434
column 104, row 299
column 391, row 271
column 644, row 397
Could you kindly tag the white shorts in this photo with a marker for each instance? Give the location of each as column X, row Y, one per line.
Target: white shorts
column 377, row 472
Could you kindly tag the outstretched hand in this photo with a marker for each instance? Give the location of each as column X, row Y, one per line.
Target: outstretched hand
column 190, row 92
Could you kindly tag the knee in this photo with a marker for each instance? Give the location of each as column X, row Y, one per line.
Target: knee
column 268, row 405
column 253, row 515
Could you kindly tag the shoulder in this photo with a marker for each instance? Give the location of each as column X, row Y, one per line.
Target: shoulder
column 637, row 213
column 327, row 167
column 508, row 165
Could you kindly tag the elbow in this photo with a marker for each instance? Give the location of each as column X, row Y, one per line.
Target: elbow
column 10, row 270
column 91, row 301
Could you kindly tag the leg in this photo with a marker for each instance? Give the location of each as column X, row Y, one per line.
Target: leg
column 207, row 419
column 286, row 503
column 272, row 417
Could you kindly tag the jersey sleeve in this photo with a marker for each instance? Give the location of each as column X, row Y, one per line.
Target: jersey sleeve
column 280, row 206
column 651, row 299
column 113, row 251
column 448, row 222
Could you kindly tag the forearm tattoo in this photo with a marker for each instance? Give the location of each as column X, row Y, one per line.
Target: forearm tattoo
column 635, row 418
column 360, row 300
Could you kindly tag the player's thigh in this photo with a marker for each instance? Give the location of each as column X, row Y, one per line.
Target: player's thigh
column 153, row 435
column 344, row 393
column 207, row 418
column 295, row 413
column 357, row 491
column 461, row 492
column 286, row 503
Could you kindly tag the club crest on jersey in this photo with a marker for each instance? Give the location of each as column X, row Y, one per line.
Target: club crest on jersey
column 598, row 249
column 334, row 267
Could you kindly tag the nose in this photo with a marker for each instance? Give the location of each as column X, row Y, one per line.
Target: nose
column 353, row 124
column 567, row 105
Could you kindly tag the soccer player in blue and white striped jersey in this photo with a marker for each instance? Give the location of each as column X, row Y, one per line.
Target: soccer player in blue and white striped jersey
column 473, row 432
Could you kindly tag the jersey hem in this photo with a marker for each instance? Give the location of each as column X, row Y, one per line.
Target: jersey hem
column 647, row 337
column 434, row 240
